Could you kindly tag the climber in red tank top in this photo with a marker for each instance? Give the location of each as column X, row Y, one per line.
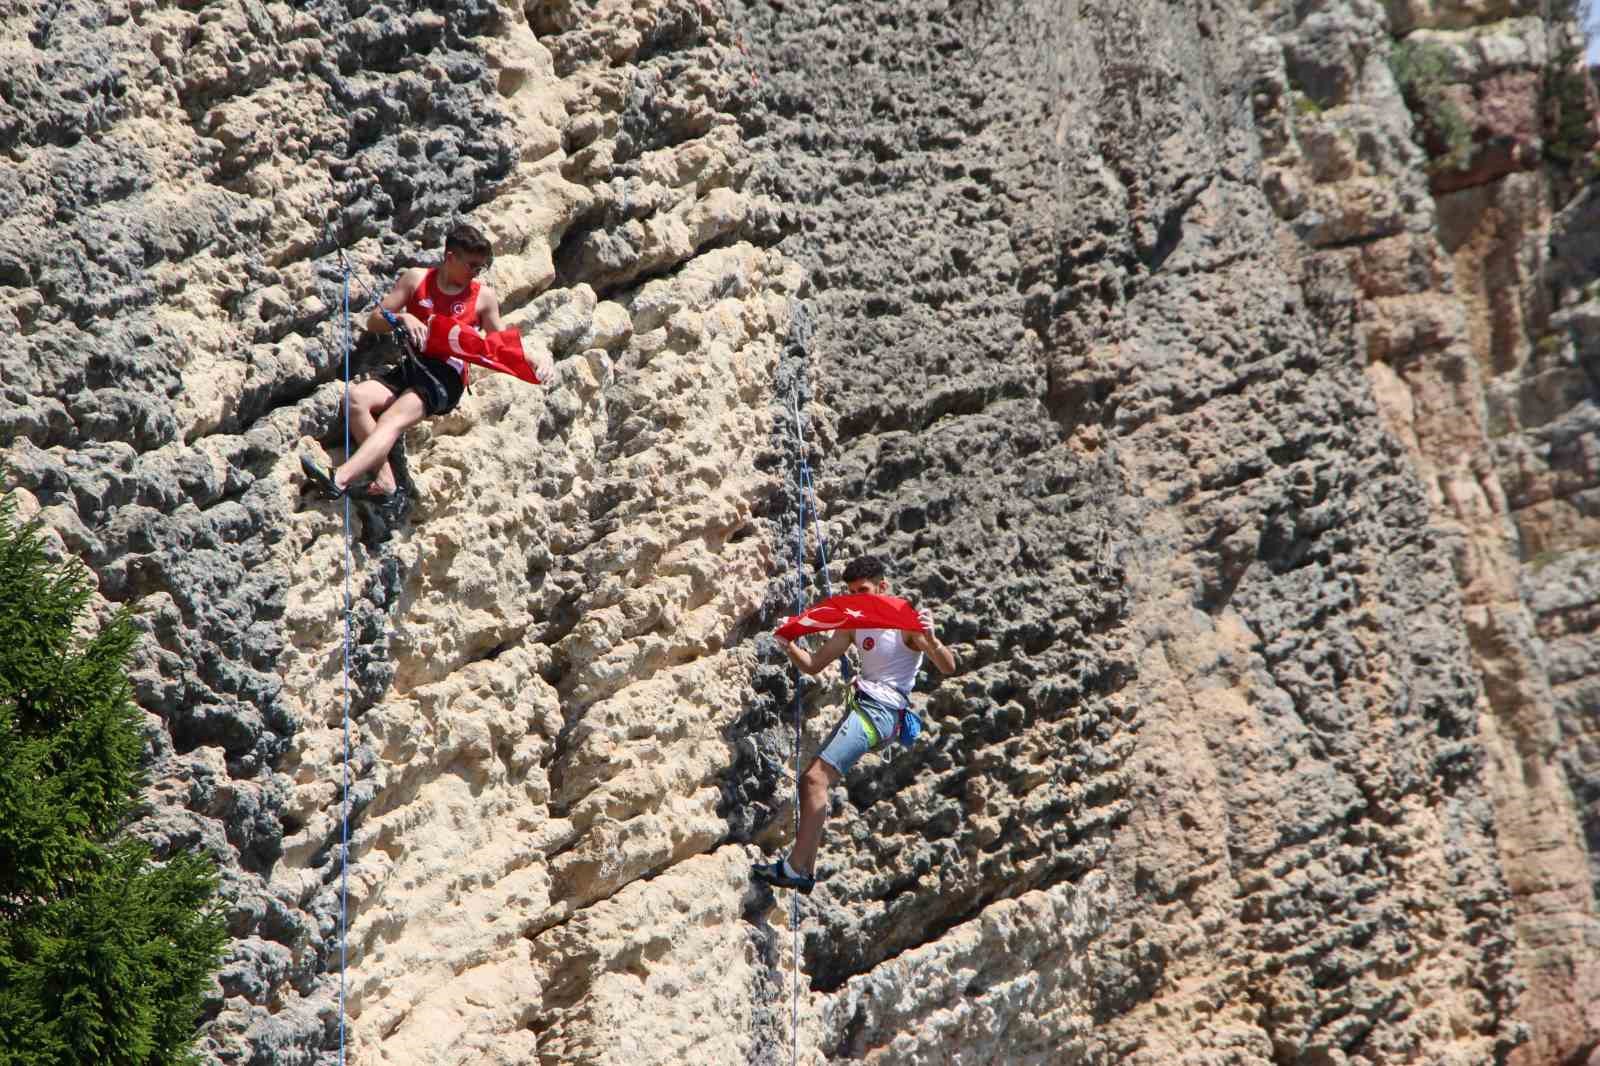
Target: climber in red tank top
column 430, row 298
column 383, row 407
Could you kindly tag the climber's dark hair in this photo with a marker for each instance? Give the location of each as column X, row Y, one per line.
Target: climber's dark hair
column 466, row 239
column 867, row 567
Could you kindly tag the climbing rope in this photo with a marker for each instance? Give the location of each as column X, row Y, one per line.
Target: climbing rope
column 344, row 797
column 799, row 737
column 807, row 498
column 346, row 273
column 409, row 351
column 408, row 348
column 807, row 494
column 344, row 812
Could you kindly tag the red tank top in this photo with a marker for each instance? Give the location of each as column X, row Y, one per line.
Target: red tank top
column 429, row 300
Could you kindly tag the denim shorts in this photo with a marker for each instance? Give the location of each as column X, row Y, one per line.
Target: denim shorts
column 850, row 739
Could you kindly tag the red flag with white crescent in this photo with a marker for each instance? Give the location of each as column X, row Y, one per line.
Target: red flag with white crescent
column 501, row 350
column 871, row 611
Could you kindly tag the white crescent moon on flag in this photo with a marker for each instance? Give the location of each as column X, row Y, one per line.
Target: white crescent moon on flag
column 455, row 342
column 821, row 616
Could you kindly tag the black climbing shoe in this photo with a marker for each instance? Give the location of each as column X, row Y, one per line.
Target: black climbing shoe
column 322, row 479
column 325, row 484
column 393, row 506
column 772, row 873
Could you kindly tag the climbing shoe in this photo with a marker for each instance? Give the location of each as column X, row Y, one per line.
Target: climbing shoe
column 393, row 506
column 322, row 479
column 325, row 483
column 773, row 873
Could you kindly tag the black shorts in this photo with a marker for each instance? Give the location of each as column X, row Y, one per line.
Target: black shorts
column 435, row 380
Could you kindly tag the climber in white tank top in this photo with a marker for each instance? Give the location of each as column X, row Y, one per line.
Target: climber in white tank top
column 874, row 713
column 889, row 665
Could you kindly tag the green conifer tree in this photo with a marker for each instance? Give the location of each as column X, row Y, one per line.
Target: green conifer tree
column 104, row 952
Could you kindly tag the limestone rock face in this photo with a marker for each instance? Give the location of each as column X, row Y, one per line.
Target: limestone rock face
column 546, row 649
column 1222, row 377
column 1470, row 321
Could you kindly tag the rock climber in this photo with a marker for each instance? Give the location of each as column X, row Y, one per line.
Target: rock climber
column 383, row 406
column 875, row 712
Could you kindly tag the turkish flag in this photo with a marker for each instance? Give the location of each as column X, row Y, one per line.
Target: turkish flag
column 501, row 350
column 871, row 611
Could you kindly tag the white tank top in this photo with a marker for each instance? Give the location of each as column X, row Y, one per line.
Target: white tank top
column 888, row 667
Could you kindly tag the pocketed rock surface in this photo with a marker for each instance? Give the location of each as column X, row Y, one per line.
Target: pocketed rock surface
column 1223, row 377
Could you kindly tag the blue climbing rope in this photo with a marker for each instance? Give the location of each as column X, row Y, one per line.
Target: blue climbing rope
column 799, row 729
column 808, row 492
column 807, row 500
column 344, row 805
column 344, row 813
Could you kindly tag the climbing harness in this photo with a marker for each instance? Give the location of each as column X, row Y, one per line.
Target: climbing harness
column 408, row 347
column 908, row 724
column 853, row 705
